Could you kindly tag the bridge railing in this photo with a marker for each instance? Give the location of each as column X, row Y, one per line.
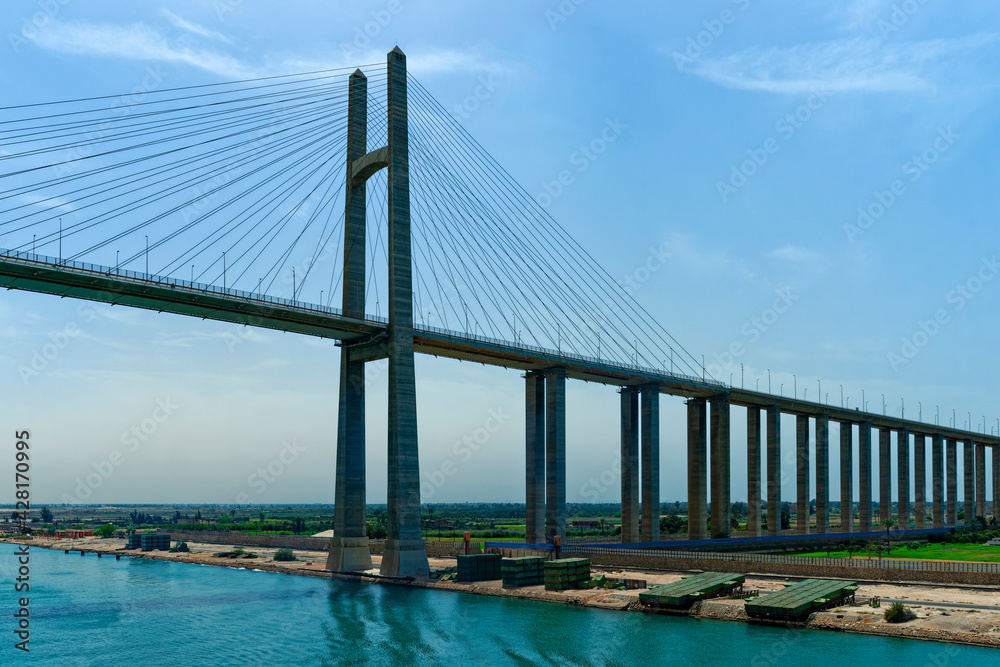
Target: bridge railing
column 141, row 277
column 618, row 365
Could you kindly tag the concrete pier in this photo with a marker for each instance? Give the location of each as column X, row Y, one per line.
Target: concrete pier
column 630, row 464
column 995, row 454
column 981, row 480
column 846, row 477
column 864, row 476
column 802, row 474
column 721, row 476
column 969, row 475
column 650, row 443
column 753, row 472
column 919, row 480
column 822, row 473
column 884, row 475
column 697, row 460
column 404, row 553
column 937, row 489
column 349, row 550
column 534, row 457
column 773, row 470
column 903, row 478
column 951, row 475
column 555, row 455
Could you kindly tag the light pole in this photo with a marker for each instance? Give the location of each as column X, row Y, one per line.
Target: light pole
column 805, row 393
column 60, row 240
column 864, row 403
column 883, row 405
column 147, row 254
column 703, row 368
column 742, row 384
column 920, row 411
column 819, row 390
column 781, row 389
column 841, row 395
column 116, row 261
column 769, row 380
column 902, row 408
column 224, row 276
column 795, row 384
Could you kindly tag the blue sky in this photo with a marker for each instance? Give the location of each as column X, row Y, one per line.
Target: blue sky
column 830, row 162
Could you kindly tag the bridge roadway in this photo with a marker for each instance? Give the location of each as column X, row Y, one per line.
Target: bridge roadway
column 48, row 275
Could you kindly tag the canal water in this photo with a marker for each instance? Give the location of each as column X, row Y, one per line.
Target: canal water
column 90, row 611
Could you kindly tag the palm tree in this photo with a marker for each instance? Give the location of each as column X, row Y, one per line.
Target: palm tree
column 889, row 524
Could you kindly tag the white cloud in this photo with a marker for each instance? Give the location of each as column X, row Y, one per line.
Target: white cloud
column 56, row 203
column 792, row 253
column 839, row 65
column 136, row 41
column 194, row 27
column 863, row 13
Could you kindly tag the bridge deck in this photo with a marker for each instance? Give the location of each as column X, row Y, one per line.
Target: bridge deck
column 93, row 282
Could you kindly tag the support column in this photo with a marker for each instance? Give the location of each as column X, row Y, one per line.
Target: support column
column 650, row 404
column 884, row 476
column 919, row 481
column 937, row 489
column 630, row 464
column 903, row 478
column 697, row 453
column 349, row 550
column 753, row 471
column 822, row 473
column 555, row 455
column 981, row 480
column 995, row 453
column 846, row 477
column 404, row 547
column 773, row 470
column 802, row 474
column 951, row 477
column 534, row 458
column 721, row 475
column 864, row 477
column 969, row 473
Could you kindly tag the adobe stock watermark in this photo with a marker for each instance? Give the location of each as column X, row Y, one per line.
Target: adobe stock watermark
column 562, row 12
column 581, row 158
column 224, row 8
column 132, row 439
column 656, row 259
column 900, row 15
column 44, row 356
column 595, row 488
column 488, row 85
column 266, row 475
column 751, row 331
column 914, row 169
column 698, row 43
column 463, row 449
column 365, row 34
column 786, row 127
column 957, row 298
column 32, row 26
column 121, row 109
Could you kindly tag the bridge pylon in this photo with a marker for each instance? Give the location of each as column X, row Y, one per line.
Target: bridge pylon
column 405, row 554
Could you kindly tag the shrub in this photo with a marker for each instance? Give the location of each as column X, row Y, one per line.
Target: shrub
column 181, row 547
column 898, row 613
column 284, row 554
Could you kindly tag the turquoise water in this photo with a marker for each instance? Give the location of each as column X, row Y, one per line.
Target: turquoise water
column 90, row 611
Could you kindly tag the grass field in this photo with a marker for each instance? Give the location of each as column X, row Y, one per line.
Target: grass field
column 969, row 552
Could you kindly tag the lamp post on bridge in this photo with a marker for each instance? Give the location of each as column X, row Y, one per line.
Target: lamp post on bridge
column 769, row 380
column 742, row 383
column 116, row 261
column 883, row 405
column 781, row 389
column 841, row 395
column 147, row 254
column 920, row 411
column 902, row 408
column 795, row 385
column 864, row 403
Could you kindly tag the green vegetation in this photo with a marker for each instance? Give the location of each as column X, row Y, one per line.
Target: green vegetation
column 105, row 531
column 284, row 555
column 952, row 551
column 898, row 613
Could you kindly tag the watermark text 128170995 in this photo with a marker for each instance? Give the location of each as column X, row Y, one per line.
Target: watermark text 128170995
column 22, row 493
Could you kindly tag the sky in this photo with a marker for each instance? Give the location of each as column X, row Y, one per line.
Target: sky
column 795, row 190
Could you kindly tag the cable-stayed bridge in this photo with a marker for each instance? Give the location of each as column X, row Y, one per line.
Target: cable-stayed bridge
column 265, row 202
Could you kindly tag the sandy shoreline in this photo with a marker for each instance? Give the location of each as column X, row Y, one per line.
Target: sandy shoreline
column 955, row 614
